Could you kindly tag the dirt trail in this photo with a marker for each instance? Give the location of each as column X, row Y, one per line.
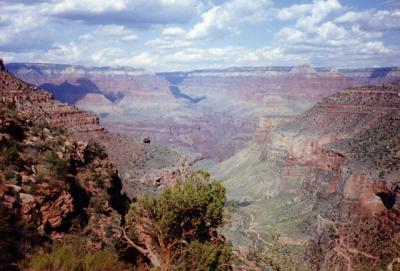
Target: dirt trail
column 251, row 230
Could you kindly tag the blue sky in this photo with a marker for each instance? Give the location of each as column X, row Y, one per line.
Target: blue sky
column 167, row 35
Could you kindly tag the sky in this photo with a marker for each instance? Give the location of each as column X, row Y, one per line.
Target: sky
column 172, row 35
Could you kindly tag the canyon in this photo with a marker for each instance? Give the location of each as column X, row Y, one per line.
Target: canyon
column 309, row 154
column 213, row 113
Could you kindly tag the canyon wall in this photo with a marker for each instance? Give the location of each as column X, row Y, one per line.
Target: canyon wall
column 339, row 162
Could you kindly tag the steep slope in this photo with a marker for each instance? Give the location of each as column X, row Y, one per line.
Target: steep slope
column 52, row 187
column 333, row 169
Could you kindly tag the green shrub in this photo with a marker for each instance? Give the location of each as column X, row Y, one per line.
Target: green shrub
column 58, row 166
column 185, row 217
column 10, row 153
column 75, row 258
column 204, row 257
column 9, row 174
column 92, row 151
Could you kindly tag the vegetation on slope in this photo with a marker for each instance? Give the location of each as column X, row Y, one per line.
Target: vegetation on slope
column 76, row 257
column 177, row 230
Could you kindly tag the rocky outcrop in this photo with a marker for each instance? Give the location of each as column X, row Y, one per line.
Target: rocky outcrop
column 57, row 185
column 50, row 177
column 353, row 159
column 267, row 123
column 304, row 71
column 170, row 176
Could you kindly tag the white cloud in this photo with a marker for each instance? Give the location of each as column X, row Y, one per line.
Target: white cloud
column 173, row 31
column 171, row 38
column 351, row 17
column 372, row 20
column 331, row 31
column 345, row 38
column 22, row 27
column 354, row 37
column 110, row 33
column 375, row 47
column 180, row 34
column 226, row 18
column 291, row 35
column 319, row 11
column 169, row 43
column 307, row 15
column 133, row 13
column 92, row 6
column 229, row 56
column 294, row 11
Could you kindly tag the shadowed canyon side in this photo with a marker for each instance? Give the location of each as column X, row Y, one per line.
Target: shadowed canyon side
column 331, row 175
